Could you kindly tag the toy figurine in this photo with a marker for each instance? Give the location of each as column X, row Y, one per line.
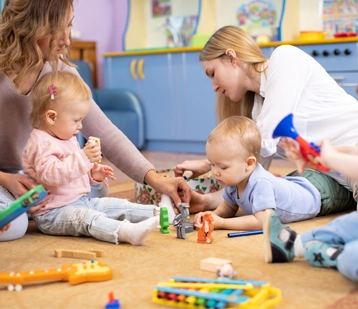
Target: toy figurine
column 225, row 271
column 164, row 220
column 180, row 223
column 204, row 233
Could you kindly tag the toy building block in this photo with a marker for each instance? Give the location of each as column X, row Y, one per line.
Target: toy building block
column 164, row 220
column 211, row 264
column 97, row 141
column 204, row 233
column 113, row 302
column 78, row 254
column 180, row 221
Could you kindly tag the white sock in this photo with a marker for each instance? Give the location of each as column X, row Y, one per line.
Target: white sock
column 298, row 248
column 136, row 233
column 167, row 202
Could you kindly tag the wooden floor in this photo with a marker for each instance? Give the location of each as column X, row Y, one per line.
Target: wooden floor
column 123, row 186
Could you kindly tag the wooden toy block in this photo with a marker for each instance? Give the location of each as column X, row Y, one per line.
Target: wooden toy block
column 210, row 264
column 78, row 254
column 97, row 141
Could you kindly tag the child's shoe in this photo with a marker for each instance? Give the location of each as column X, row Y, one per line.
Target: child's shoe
column 276, row 250
column 321, row 254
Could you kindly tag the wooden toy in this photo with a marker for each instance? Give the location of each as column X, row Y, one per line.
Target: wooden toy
column 97, row 141
column 79, row 254
column 204, row 233
column 113, row 302
column 193, row 293
column 22, row 204
column 164, row 220
column 211, row 264
column 90, row 271
column 180, row 221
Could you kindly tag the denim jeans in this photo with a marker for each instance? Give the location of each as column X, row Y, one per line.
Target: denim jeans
column 18, row 227
column 97, row 217
column 344, row 231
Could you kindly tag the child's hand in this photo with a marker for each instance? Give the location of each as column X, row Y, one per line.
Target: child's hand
column 101, row 172
column 92, row 151
column 4, row 229
column 293, row 154
column 327, row 151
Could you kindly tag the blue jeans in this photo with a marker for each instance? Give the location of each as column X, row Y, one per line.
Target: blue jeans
column 344, row 231
column 97, row 217
column 18, row 227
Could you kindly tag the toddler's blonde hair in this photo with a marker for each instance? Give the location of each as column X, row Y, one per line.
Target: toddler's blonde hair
column 68, row 87
column 240, row 130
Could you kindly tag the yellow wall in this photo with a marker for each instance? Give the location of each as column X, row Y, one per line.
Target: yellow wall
column 136, row 34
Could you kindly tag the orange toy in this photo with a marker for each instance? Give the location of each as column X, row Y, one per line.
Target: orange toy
column 89, row 271
column 204, row 233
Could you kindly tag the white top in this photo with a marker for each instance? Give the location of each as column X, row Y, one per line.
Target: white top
column 296, row 83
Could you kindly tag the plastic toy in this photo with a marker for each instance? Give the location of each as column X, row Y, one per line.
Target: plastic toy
column 164, row 220
column 225, row 271
column 309, row 150
column 22, row 204
column 180, row 221
column 79, row 254
column 90, row 271
column 204, row 233
column 113, row 303
column 245, row 233
column 193, row 293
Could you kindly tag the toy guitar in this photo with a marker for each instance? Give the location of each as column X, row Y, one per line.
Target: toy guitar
column 90, row 271
column 22, row 204
column 309, row 150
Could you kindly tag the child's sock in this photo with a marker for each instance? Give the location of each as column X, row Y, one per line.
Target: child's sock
column 167, row 202
column 136, row 233
column 298, row 248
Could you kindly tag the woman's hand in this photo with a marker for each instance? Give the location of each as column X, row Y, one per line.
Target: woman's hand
column 175, row 187
column 197, row 167
column 17, row 184
column 293, row 154
column 101, row 172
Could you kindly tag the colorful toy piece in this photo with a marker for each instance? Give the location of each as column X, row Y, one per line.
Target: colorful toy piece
column 113, row 303
column 90, row 271
column 180, row 221
column 164, row 220
column 79, row 254
column 309, row 150
column 204, row 233
column 22, row 204
column 193, row 293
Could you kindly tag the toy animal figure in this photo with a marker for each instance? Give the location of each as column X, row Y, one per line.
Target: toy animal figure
column 204, row 233
column 225, row 271
column 180, row 223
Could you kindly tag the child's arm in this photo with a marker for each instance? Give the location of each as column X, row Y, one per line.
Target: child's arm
column 343, row 159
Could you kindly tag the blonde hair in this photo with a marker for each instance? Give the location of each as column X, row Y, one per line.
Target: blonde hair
column 246, row 49
column 68, row 87
column 22, row 24
column 242, row 131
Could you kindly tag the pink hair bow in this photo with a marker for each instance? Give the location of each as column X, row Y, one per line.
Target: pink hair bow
column 52, row 91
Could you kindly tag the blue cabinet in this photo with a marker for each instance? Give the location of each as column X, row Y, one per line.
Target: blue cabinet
column 177, row 98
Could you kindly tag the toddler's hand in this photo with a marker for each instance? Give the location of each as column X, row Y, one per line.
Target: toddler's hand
column 293, row 154
column 327, row 151
column 101, row 172
column 198, row 219
column 93, row 151
column 4, row 229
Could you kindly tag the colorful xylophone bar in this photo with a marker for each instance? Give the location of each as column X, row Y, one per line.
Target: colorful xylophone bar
column 201, row 293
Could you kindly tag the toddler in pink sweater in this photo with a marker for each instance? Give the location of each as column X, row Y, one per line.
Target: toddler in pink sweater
column 53, row 158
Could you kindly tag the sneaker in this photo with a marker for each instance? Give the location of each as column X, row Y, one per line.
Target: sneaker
column 275, row 250
column 318, row 255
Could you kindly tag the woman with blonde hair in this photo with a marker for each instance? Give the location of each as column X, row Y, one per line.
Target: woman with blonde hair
column 267, row 90
column 34, row 40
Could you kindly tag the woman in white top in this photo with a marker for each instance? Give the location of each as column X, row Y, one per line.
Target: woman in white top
column 266, row 91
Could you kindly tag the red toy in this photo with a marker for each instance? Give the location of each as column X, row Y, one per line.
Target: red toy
column 309, row 150
column 204, row 233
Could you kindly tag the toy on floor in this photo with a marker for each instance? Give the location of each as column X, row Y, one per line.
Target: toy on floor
column 164, row 220
column 180, row 221
column 79, row 254
column 225, row 271
column 90, row 271
column 22, row 204
column 309, row 150
column 113, row 302
column 193, row 293
column 204, row 233
column 212, row 263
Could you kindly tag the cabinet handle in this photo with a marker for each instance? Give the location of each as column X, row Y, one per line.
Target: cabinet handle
column 133, row 63
column 347, row 84
column 140, row 68
column 338, row 78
